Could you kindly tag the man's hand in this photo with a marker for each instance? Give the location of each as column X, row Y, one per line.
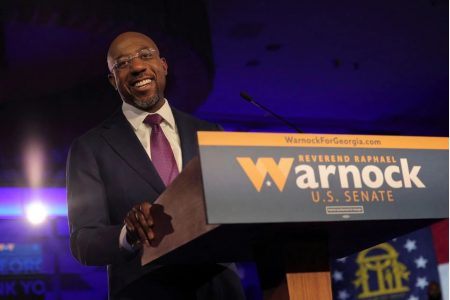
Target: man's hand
column 139, row 225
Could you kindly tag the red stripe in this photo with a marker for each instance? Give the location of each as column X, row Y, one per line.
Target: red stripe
column 440, row 238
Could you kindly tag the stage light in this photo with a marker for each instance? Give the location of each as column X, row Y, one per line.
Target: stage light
column 14, row 200
column 36, row 213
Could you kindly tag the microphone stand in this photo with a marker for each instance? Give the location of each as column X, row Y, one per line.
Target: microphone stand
column 247, row 98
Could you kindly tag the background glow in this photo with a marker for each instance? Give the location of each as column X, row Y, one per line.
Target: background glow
column 34, row 161
column 36, row 213
column 13, row 200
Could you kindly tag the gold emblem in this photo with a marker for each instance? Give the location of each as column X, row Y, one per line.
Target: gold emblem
column 384, row 267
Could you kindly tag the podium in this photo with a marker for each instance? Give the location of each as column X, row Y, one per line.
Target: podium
column 292, row 254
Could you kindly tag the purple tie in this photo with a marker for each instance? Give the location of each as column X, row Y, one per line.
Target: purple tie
column 161, row 152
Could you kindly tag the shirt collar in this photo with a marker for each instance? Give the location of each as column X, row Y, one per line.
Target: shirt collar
column 136, row 116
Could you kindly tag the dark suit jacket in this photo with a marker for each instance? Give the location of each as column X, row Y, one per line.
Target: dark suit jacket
column 108, row 173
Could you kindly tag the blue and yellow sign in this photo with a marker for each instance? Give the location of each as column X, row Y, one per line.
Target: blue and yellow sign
column 21, row 266
column 273, row 177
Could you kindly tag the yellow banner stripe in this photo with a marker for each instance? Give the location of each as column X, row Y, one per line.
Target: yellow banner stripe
column 320, row 140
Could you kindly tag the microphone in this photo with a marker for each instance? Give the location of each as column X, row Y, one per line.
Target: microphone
column 247, row 98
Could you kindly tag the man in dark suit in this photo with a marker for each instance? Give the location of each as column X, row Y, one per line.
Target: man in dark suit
column 119, row 168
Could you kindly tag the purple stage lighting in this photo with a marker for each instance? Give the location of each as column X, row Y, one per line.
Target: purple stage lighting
column 13, row 201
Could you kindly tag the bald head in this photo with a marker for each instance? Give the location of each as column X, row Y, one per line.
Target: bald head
column 141, row 79
column 123, row 42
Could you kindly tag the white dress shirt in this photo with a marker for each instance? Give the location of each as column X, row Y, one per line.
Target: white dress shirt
column 136, row 117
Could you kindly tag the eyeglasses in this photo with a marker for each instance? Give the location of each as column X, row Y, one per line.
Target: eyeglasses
column 124, row 62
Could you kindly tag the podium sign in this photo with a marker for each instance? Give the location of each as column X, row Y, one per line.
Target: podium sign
column 274, row 177
column 291, row 201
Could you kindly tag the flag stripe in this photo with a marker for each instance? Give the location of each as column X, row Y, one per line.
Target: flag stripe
column 440, row 240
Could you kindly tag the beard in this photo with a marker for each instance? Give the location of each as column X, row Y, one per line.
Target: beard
column 147, row 103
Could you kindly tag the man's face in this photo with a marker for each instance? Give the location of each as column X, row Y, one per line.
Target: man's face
column 141, row 82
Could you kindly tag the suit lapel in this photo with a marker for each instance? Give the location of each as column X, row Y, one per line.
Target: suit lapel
column 120, row 136
column 188, row 136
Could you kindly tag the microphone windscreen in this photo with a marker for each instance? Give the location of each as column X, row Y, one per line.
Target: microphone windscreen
column 245, row 96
